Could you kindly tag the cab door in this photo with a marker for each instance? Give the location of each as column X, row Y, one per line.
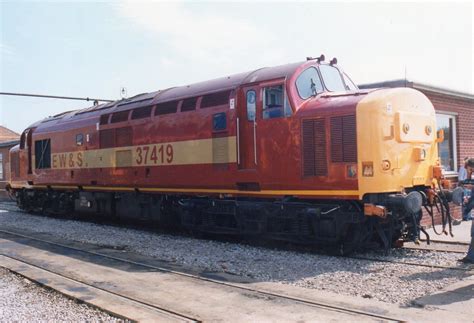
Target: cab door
column 247, row 128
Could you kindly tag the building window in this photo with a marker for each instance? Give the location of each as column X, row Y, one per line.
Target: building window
column 1, row 166
column 447, row 148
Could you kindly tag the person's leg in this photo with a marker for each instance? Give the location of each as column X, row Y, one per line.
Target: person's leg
column 470, row 253
column 466, row 210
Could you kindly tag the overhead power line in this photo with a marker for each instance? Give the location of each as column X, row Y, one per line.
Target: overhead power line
column 56, row 97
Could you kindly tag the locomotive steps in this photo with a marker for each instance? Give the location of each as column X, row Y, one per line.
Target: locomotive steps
column 143, row 289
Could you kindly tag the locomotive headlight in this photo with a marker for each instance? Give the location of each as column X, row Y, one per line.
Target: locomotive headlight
column 423, row 154
column 420, row 153
column 386, row 164
column 406, row 127
column 428, row 130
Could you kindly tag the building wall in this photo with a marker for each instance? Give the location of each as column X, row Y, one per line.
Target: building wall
column 5, row 174
column 463, row 109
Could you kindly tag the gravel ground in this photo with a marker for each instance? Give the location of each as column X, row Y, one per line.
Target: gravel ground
column 393, row 283
column 23, row 301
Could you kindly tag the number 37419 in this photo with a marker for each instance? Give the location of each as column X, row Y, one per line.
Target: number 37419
column 154, row 154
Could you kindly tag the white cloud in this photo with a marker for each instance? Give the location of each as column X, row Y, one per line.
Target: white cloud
column 373, row 41
column 6, row 50
column 215, row 37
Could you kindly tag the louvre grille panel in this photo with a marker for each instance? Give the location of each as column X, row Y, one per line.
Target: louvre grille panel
column 336, row 140
column 321, row 167
column 344, row 139
column 123, row 136
column 308, row 148
column 349, row 139
column 314, row 148
column 106, row 138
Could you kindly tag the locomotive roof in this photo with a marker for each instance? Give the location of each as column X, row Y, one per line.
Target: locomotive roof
column 174, row 93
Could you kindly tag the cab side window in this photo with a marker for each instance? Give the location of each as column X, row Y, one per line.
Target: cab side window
column 251, row 105
column 275, row 102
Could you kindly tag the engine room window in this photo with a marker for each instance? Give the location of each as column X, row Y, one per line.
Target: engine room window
column 219, row 121
column 189, row 104
column 215, row 99
column 447, row 148
column 79, row 139
column 104, row 119
column 120, row 116
column 43, row 154
column 332, row 78
column 143, row 112
column 166, row 108
column 309, row 83
column 251, row 105
column 275, row 102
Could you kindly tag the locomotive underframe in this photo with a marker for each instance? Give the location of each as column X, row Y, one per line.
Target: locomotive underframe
column 339, row 223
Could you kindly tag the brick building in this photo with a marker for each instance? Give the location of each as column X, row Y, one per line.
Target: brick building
column 454, row 114
column 8, row 139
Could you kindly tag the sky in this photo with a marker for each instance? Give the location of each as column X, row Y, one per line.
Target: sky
column 92, row 49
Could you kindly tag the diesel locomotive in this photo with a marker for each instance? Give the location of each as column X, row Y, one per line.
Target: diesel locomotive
column 294, row 152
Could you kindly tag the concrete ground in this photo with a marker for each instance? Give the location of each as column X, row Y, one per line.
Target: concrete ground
column 461, row 232
column 206, row 301
column 458, row 297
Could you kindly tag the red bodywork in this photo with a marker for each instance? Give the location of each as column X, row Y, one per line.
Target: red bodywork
column 276, row 166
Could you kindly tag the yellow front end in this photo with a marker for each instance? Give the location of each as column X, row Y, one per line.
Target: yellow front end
column 396, row 141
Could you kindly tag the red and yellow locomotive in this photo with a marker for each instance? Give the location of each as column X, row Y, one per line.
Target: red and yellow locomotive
column 294, row 152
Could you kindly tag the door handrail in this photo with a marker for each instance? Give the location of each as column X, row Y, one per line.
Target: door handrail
column 238, row 141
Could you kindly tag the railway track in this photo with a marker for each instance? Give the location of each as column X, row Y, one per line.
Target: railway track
column 441, row 246
column 408, row 263
column 216, row 283
column 164, row 313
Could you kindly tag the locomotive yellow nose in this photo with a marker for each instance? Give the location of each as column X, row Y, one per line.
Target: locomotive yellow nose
column 395, row 139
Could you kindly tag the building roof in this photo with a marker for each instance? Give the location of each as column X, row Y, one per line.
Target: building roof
column 418, row 86
column 8, row 135
column 10, row 143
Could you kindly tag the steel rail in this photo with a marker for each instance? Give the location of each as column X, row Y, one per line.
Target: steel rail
column 447, row 242
column 318, row 304
column 434, row 249
column 154, row 307
column 408, row 263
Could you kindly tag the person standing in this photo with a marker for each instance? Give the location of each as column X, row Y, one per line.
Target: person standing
column 462, row 176
column 469, row 259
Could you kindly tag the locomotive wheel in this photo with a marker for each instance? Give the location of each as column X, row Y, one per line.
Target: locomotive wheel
column 352, row 238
